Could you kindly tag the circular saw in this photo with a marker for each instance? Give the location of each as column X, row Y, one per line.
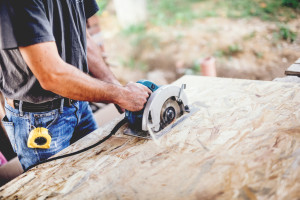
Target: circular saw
column 165, row 105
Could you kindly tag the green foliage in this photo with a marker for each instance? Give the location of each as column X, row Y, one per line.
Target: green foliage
column 250, row 36
column 219, row 53
column 194, row 69
column 135, row 29
column 291, row 3
column 285, row 33
column 230, row 51
column 234, row 49
column 134, row 64
column 139, row 36
column 180, row 12
column 170, row 12
column 146, row 41
column 264, row 9
column 102, row 5
column 259, row 55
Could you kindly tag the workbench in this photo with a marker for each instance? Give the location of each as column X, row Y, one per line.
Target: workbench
column 242, row 143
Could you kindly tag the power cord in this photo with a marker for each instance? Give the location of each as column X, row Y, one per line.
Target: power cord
column 113, row 132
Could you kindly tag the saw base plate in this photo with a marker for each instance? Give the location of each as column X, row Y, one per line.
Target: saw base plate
column 136, row 133
column 146, row 135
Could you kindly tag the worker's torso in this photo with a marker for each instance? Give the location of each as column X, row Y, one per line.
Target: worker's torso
column 66, row 21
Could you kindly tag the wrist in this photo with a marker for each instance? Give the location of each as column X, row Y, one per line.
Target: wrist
column 119, row 94
column 116, row 82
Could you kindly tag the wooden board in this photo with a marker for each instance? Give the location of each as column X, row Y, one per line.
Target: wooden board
column 294, row 69
column 243, row 143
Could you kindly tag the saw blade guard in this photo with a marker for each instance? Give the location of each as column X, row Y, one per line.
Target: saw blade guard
column 152, row 112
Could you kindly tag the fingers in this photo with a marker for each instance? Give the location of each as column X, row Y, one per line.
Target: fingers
column 147, row 92
column 136, row 97
column 146, row 88
column 143, row 88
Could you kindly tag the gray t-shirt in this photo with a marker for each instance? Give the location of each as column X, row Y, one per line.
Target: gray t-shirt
column 28, row 22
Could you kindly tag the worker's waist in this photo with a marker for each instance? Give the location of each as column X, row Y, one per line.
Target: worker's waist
column 42, row 107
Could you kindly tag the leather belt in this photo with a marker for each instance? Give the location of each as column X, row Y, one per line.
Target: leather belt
column 42, row 107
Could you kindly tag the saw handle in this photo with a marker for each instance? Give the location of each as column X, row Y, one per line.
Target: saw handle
column 135, row 118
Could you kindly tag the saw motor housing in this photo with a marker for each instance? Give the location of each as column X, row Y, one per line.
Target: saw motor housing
column 164, row 106
column 135, row 118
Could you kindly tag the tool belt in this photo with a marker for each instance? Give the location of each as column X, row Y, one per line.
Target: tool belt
column 42, row 107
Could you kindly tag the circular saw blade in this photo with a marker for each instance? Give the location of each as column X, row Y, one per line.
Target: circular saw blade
column 170, row 111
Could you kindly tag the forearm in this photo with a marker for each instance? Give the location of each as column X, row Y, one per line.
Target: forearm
column 66, row 80
column 61, row 78
column 97, row 66
column 72, row 83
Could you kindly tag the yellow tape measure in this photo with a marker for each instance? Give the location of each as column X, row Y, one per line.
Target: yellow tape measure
column 39, row 138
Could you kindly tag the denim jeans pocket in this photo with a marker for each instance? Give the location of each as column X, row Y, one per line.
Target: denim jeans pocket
column 10, row 130
column 45, row 119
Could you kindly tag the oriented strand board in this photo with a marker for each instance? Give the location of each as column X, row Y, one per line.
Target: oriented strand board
column 294, row 69
column 243, row 143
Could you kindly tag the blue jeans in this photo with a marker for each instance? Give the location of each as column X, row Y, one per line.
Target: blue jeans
column 65, row 125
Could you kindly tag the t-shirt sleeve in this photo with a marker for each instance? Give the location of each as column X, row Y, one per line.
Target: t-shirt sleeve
column 7, row 37
column 30, row 22
column 90, row 8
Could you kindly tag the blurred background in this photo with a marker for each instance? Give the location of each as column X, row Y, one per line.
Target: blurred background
column 162, row 40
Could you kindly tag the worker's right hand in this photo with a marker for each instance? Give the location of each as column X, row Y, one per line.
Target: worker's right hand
column 135, row 97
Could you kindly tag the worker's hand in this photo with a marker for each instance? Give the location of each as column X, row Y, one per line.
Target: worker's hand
column 135, row 97
column 120, row 110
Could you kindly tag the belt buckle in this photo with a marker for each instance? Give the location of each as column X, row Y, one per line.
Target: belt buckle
column 14, row 104
column 69, row 102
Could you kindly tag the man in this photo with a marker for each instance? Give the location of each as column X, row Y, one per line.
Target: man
column 45, row 56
